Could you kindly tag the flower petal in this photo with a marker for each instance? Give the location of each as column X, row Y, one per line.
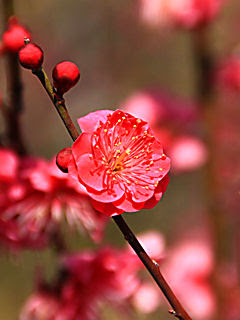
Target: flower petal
column 106, row 208
column 90, row 172
column 161, row 188
column 128, row 205
column 115, row 193
column 81, row 146
column 90, row 122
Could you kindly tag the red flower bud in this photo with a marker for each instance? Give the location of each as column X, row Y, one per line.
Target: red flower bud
column 65, row 76
column 31, row 56
column 13, row 37
column 63, row 158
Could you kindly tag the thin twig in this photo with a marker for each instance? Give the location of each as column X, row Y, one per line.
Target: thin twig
column 58, row 103
column 153, row 268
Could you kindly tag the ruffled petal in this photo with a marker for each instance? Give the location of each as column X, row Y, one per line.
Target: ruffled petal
column 107, row 209
column 161, row 188
column 90, row 172
column 115, row 193
column 91, row 121
column 128, row 205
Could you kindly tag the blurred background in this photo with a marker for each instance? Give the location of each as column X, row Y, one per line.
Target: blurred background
column 121, row 58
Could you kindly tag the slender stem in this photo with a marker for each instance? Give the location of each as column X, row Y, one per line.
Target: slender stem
column 58, row 103
column 206, row 96
column 153, row 268
column 15, row 104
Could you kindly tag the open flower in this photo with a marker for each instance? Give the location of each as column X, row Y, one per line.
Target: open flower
column 119, row 161
column 36, row 197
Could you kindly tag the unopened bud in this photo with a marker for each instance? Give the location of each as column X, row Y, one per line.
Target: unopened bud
column 65, row 75
column 31, row 56
column 13, row 37
column 63, row 158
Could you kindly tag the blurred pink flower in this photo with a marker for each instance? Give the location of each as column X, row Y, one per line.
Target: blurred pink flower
column 40, row 306
column 89, row 280
column 188, row 268
column 37, row 196
column 187, row 14
column 147, row 298
column 153, row 243
column 174, row 122
column 187, row 153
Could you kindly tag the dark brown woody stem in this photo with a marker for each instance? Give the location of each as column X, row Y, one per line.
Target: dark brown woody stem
column 14, row 105
column 153, row 268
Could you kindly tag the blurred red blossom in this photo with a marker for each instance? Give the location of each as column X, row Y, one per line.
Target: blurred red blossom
column 13, row 37
column 89, row 280
column 174, row 122
column 119, row 161
column 36, row 197
column 228, row 73
column 187, row 14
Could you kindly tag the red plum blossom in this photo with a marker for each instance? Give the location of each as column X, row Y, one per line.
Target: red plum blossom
column 36, row 198
column 120, row 162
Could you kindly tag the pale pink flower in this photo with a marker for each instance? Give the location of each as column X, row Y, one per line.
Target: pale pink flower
column 147, row 298
column 153, row 243
column 187, row 153
column 40, row 306
column 188, row 268
column 187, row 14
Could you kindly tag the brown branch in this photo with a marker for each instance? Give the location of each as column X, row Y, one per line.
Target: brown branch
column 153, row 268
column 59, row 103
column 15, row 104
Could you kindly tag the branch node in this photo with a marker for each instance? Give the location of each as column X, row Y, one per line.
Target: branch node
column 175, row 314
column 155, row 263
